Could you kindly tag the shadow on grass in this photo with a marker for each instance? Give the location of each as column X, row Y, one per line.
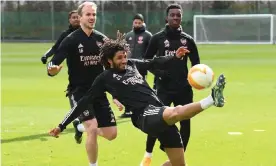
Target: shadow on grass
column 45, row 136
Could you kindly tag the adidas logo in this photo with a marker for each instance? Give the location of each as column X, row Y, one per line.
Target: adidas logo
column 80, row 45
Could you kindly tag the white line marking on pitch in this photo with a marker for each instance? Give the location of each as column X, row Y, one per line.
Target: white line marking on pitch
column 259, row 130
column 235, row 133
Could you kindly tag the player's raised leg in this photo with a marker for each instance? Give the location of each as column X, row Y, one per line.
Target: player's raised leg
column 172, row 115
column 217, row 91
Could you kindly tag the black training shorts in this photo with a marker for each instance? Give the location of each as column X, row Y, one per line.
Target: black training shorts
column 152, row 123
column 99, row 109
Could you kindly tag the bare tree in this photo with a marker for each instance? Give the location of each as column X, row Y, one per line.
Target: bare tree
column 9, row 6
column 220, row 7
column 269, row 7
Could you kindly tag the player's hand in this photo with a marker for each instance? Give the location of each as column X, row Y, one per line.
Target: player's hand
column 54, row 69
column 181, row 51
column 118, row 104
column 44, row 59
column 55, row 132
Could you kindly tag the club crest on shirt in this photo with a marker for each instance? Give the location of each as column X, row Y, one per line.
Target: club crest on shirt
column 118, row 77
column 130, row 38
column 86, row 113
column 167, row 43
column 99, row 44
column 183, row 41
column 140, row 39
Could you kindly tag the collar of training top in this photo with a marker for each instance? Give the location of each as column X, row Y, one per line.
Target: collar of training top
column 73, row 28
column 140, row 30
column 173, row 31
column 92, row 33
column 116, row 70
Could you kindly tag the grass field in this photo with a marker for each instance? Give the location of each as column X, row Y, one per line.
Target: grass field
column 33, row 103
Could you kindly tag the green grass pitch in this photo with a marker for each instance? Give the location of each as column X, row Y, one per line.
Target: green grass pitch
column 33, row 103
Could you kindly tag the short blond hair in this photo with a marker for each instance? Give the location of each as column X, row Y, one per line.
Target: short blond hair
column 86, row 4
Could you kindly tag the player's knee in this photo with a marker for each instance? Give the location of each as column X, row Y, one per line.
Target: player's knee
column 111, row 135
column 91, row 130
column 175, row 114
column 91, row 127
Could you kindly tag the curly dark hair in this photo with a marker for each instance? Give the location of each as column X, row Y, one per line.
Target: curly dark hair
column 110, row 48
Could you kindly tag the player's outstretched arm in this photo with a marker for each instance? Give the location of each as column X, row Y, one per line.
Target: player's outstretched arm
column 96, row 90
column 53, row 69
column 54, row 66
column 160, row 73
column 71, row 115
column 53, row 49
column 194, row 56
column 48, row 54
column 158, row 62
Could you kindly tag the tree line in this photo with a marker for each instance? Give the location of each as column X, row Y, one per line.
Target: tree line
column 218, row 7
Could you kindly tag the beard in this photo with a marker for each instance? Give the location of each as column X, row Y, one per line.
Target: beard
column 118, row 67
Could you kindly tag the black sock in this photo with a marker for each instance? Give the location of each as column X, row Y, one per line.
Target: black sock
column 185, row 127
column 150, row 143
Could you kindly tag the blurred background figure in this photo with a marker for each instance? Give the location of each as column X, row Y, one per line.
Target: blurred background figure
column 138, row 39
column 73, row 25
